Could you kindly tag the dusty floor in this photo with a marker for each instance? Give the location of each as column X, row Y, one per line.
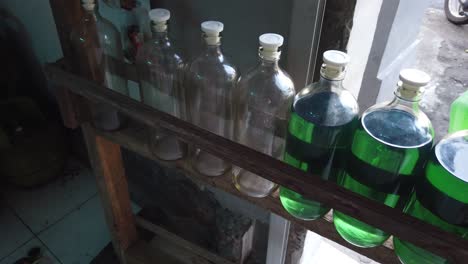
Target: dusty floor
column 443, row 53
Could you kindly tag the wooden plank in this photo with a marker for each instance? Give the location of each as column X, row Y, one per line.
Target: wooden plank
column 133, row 139
column 142, row 253
column 172, row 238
column 312, row 187
column 108, row 167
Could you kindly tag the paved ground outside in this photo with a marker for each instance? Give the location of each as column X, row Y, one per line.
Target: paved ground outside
column 443, row 54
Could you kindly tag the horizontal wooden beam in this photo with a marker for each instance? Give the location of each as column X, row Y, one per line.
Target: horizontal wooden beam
column 388, row 219
column 133, row 138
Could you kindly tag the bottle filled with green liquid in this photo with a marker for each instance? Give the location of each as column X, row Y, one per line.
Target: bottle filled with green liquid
column 388, row 151
column 441, row 197
column 459, row 113
column 323, row 118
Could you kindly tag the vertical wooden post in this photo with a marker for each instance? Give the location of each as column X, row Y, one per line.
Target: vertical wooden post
column 66, row 14
column 108, row 167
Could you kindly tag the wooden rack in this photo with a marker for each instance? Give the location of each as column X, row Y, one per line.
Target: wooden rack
column 105, row 153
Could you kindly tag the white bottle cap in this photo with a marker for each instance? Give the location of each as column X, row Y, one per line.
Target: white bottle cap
column 269, row 46
column 271, row 41
column 159, row 15
column 412, row 82
column 88, row 5
column 334, row 64
column 212, row 30
column 414, row 78
column 159, row 18
column 335, row 58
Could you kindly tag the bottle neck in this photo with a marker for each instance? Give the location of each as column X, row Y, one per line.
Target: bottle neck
column 160, row 36
column 91, row 14
column 268, row 64
column 412, row 103
column 212, row 49
column 327, row 83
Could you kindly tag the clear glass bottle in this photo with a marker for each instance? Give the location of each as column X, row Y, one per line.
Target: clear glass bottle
column 440, row 197
column 210, row 95
column 134, row 25
column 388, row 151
column 160, row 70
column 97, row 53
column 324, row 116
column 265, row 95
column 459, row 114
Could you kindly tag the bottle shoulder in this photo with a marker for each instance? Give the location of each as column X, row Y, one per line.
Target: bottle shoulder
column 106, row 27
column 338, row 98
column 398, row 126
column 204, row 65
column 152, row 53
column 267, row 81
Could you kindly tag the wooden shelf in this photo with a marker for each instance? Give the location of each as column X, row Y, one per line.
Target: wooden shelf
column 388, row 219
column 134, row 137
column 168, row 248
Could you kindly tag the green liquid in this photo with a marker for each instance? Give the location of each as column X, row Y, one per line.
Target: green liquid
column 317, row 148
column 436, row 204
column 384, row 172
column 411, row 254
column 458, row 113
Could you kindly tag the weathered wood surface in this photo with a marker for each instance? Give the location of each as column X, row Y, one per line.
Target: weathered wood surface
column 106, row 160
column 133, row 138
column 366, row 210
column 186, row 245
column 64, row 21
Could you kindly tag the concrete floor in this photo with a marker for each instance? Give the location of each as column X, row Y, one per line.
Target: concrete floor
column 443, row 54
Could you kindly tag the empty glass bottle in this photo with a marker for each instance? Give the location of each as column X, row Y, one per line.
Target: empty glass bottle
column 324, row 116
column 160, row 70
column 97, row 53
column 459, row 113
column 388, row 152
column 134, row 25
column 440, row 197
column 212, row 83
column 265, row 95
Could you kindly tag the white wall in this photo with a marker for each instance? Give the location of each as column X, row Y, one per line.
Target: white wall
column 382, row 42
column 400, row 50
column 360, row 42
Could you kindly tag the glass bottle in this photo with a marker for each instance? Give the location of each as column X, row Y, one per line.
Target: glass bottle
column 134, row 25
column 160, row 70
column 213, row 80
column 388, row 152
column 97, row 52
column 440, row 197
column 265, row 95
column 459, row 113
column 324, row 116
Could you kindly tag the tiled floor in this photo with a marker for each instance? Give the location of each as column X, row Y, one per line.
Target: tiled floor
column 64, row 218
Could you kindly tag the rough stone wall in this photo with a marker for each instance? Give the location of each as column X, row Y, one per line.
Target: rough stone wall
column 336, row 28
